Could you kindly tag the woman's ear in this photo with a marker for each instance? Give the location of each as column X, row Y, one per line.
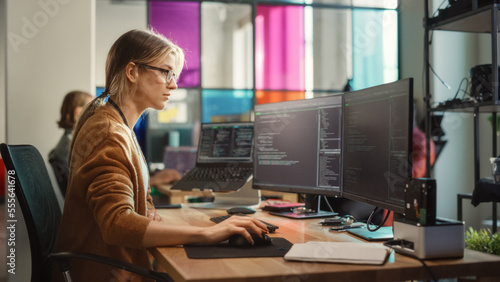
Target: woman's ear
column 130, row 72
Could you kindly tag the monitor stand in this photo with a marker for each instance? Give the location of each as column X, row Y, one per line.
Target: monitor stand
column 311, row 210
column 244, row 197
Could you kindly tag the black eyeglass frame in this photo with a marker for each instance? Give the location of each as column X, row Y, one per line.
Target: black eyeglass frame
column 169, row 74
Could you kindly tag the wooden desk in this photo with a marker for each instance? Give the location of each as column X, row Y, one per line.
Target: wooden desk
column 180, row 197
column 398, row 268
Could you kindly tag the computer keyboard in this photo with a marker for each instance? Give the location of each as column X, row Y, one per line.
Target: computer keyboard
column 219, row 173
column 216, row 179
column 218, row 219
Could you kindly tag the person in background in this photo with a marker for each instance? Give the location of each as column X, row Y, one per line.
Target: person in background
column 164, row 176
column 108, row 208
column 71, row 107
column 419, row 153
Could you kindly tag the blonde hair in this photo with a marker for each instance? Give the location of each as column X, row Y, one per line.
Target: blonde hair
column 137, row 46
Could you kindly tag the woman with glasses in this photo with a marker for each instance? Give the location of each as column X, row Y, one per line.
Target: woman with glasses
column 108, row 209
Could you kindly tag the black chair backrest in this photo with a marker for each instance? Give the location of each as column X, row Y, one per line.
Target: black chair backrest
column 27, row 171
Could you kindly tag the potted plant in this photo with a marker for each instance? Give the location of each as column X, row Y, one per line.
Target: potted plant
column 483, row 240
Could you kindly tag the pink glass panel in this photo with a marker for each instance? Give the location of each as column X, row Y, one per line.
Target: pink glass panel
column 180, row 22
column 279, row 48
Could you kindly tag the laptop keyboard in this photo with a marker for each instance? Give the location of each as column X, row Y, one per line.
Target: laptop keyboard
column 219, row 173
column 218, row 219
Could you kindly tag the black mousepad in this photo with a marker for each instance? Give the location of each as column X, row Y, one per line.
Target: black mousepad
column 279, row 248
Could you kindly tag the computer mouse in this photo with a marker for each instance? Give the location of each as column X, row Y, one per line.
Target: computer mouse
column 239, row 241
column 242, row 210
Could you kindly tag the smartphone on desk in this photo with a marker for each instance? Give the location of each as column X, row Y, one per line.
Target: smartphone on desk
column 337, row 222
column 345, row 227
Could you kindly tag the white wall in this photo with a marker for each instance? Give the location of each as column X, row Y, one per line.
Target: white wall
column 453, row 55
column 112, row 20
column 50, row 51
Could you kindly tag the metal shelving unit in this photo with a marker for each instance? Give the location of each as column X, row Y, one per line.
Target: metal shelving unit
column 483, row 19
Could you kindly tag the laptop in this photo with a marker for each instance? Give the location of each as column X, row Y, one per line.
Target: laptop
column 224, row 159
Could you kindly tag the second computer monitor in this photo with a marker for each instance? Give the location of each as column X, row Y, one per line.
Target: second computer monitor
column 378, row 144
column 298, row 146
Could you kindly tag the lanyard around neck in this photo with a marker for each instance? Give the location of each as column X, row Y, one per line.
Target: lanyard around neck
column 119, row 110
column 134, row 138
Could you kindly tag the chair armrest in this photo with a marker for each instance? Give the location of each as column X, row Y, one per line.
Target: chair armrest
column 63, row 257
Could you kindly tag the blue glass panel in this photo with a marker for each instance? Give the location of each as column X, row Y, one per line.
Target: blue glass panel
column 375, row 49
column 226, row 105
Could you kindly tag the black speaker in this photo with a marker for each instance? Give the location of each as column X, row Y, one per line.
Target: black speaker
column 481, row 82
column 420, row 200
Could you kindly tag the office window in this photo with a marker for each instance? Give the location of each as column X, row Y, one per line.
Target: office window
column 387, row 4
column 181, row 25
column 331, row 57
column 279, row 48
column 176, row 125
column 264, row 97
column 226, row 45
column 242, row 53
column 183, row 107
column 226, row 105
column 374, row 49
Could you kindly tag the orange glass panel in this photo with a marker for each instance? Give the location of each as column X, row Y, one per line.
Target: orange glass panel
column 265, row 97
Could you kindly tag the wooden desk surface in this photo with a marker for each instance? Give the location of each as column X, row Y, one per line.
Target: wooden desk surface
column 399, row 267
column 180, row 197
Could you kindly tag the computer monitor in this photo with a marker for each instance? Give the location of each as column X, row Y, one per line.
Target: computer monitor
column 378, row 144
column 298, row 149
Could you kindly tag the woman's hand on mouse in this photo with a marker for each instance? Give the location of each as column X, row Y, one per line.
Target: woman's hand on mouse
column 234, row 225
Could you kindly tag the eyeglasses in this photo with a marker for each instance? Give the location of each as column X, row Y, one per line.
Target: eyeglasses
column 169, row 74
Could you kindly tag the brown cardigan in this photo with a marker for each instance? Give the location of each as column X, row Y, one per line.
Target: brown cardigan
column 106, row 204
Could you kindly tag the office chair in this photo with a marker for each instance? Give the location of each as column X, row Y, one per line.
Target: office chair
column 27, row 171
